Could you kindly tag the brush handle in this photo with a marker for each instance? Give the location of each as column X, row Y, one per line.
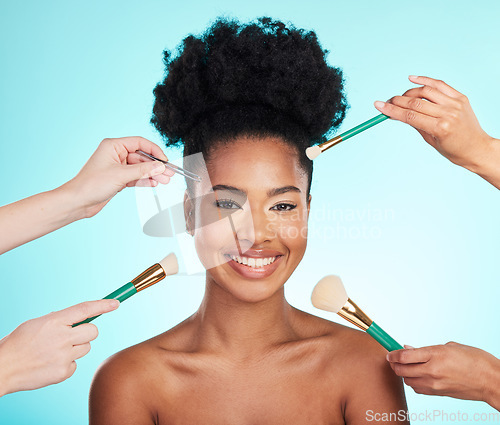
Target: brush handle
column 383, row 338
column 363, row 126
column 121, row 294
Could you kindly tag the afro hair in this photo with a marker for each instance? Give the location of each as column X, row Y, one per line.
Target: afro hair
column 261, row 79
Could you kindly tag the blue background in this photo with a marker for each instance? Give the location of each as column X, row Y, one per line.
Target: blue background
column 414, row 237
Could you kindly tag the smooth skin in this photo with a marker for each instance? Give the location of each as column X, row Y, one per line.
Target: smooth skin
column 43, row 351
column 452, row 370
column 445, row 119
column 247, row 356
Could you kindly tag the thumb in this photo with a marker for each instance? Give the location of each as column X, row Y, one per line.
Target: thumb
column 82, row 311
column 141, row 170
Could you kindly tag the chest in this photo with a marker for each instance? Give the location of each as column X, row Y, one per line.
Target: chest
column 253, row 396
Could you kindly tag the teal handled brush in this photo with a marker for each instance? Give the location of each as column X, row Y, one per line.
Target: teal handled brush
column 166, row 267
column 314, row 151
column 329, row 294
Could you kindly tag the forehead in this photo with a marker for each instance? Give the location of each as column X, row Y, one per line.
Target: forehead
column 254, row 164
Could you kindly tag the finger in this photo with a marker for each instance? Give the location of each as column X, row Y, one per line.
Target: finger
column 161, row 178
column 142, row 170
column 431, row 94
column 415, row 119
column 80, row 350
column 131, row 144
column 438, row 84
column 135, row 158
column 82, row 311
column 84, row 333
column 418, row 105
column 412, row 355
column 72, row 368
column 408, row 370
column 143, row 183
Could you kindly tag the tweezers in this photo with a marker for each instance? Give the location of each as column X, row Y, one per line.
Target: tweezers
column 173, row 167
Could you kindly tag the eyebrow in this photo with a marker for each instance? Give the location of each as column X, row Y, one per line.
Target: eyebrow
column 270, row 192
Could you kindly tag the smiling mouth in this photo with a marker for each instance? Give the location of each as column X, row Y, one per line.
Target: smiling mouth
column 254, row 263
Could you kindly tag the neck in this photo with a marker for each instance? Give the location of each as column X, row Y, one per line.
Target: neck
column 239, row 328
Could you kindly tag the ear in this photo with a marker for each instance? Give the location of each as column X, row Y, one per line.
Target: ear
column 189, row 213
column 308, row 205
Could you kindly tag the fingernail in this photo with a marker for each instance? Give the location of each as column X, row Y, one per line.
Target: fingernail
column 114, row 304
column 387, row 357
column 379, row 104
column 412, row 77
column 158, row 169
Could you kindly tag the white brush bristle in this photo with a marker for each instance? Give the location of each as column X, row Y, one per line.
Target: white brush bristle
column 170, row 264
column 329, row 294
column 313, row 152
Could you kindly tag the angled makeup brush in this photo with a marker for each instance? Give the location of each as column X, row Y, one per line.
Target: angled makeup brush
column 166, row 267
column 314, row 151
column 329, row 294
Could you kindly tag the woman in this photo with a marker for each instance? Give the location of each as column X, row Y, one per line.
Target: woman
column 251, row 99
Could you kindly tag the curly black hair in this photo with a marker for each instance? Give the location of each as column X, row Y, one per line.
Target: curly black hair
column 258, row 79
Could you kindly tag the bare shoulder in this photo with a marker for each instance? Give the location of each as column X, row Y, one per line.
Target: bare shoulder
column 353, row 343
column 125, row 386
column 357, row 364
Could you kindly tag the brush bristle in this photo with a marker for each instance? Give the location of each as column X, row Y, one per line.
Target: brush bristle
column 329, row 294
column 170, row 264
column 313, row 152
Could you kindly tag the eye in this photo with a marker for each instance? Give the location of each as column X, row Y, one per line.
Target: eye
column 227, row 204
column 283, row 207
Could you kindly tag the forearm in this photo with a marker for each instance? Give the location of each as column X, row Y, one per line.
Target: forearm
column 492, row 392
column 487, row 165
column 36, row 216
column 5, row 369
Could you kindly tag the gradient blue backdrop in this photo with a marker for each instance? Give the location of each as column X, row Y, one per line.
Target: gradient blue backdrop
column 414, row 237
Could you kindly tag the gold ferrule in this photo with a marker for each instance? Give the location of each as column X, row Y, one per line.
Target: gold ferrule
column 329, row 143
column 149, row 277
column 355, row 315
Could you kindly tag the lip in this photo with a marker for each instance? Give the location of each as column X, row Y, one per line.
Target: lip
column 255, row 273
column 256, row 253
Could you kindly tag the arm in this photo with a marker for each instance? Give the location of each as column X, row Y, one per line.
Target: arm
column 445, row 119
column 43, row 351
column 113, row 166
column 452, row 370
column 376, row 394
column 117, row 395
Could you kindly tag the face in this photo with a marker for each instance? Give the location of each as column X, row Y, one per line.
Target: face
column 250, row 228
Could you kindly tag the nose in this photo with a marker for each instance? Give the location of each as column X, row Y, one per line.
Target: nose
column 254, row 227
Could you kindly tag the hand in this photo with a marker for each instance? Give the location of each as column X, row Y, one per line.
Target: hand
column 453, row 370
column 445, row 119
column 114, row 166
column 43, row 351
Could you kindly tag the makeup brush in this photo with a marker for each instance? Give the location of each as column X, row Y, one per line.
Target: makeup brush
column 166, row 267
column 314, row 151
column 329, row 294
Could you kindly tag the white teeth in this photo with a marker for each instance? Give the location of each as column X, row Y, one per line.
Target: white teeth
column 253, row 262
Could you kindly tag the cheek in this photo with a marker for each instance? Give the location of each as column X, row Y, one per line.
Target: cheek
column 292, row 230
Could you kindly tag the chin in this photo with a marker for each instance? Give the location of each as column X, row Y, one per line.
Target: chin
column 252, row 292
